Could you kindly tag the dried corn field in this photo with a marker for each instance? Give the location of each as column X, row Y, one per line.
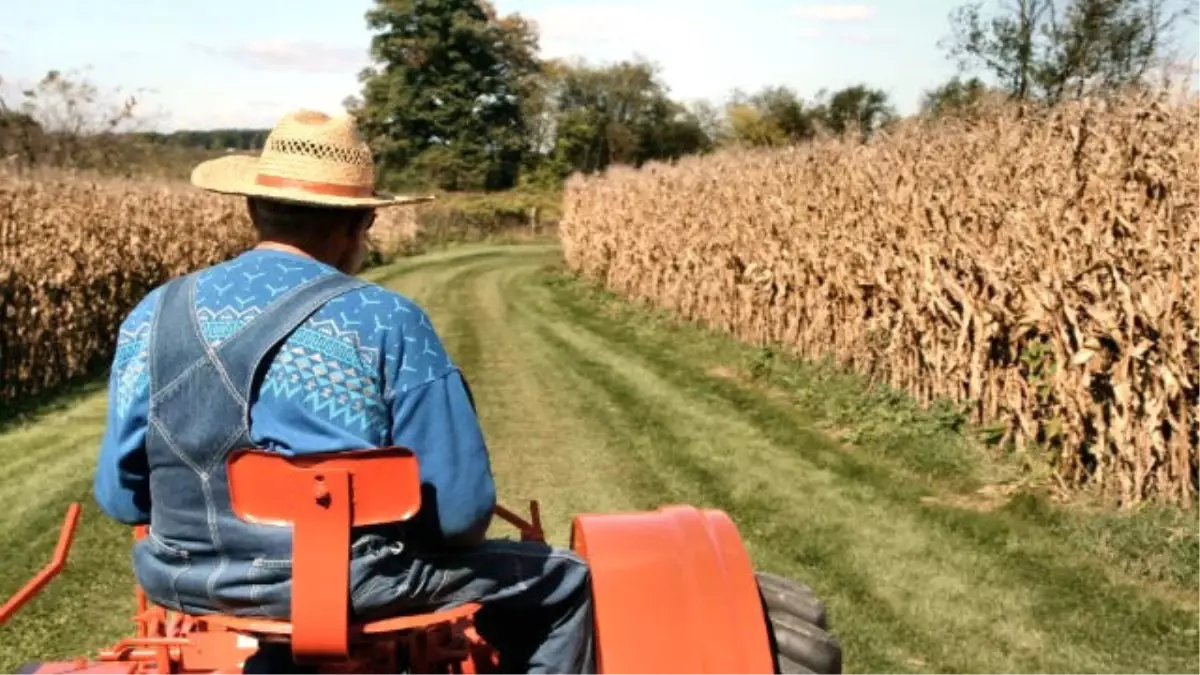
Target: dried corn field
column 1038, row 267
column 76, row 254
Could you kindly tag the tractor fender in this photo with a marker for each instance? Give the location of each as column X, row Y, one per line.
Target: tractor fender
column 674, row 592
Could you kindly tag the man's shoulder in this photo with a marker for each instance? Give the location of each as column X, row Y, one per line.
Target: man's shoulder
column 399, row 331
column 138, row 320
column 386, row 310
column 136, row 325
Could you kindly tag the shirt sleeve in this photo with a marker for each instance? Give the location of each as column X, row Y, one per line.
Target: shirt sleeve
column 433, row 414
column 121, row 485
column 437, row 421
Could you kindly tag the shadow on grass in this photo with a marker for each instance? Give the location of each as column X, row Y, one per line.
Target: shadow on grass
column 928, row 458
column 31, row 409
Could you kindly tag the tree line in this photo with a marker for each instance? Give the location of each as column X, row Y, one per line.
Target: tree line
column 457, row 97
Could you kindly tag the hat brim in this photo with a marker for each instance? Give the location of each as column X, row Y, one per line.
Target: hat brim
column 235, row 174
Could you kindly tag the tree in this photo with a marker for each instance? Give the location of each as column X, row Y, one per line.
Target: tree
column 616, row 114
column 772, row 116
column 1048, row 50
column 785, row 109
column 711, row 121
column 66, row 120
column 20, row 135
column 953, row 96
column 443, row 102
column 857, row 108
column 751, row 126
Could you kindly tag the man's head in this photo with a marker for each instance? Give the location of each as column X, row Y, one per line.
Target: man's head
column 336, row 236
column 312, row 189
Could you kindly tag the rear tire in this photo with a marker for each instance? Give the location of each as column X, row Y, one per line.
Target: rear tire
column 793, row 598
column 800, row 643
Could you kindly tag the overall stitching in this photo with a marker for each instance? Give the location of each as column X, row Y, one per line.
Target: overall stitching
column 181, row 299
column 208, row 350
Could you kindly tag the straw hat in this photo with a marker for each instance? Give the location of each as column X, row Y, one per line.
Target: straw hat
column 308, row 158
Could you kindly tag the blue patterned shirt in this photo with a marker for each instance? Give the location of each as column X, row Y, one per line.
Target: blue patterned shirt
column 366, row 370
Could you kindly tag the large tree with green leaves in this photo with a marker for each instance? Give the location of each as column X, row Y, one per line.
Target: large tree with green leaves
column 1050, row 50
column 614, row 114
column 954, row 96
column 442, row 103
column 778, row 116
column 857, row 108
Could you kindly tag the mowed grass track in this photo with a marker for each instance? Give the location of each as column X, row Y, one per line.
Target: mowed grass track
column 592, row 405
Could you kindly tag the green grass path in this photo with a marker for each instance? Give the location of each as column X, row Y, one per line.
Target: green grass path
column 590, row 404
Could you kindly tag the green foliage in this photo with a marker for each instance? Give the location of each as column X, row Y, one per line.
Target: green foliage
column 211, row 139
column 750, row 126
column 777, row 115
column 1049, row 51
column 442, row 104
column 953, row 97
column 604, row 115
column 456, row 218
column 773, row 116
column 856, row 109
column 20, row 134
column 65, row 121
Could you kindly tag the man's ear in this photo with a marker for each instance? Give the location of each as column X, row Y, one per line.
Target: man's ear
column 362, row 224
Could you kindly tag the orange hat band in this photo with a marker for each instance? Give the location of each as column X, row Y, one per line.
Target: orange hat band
column 328, row 189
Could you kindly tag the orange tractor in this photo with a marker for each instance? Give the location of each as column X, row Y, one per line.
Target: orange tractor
column 674, row 589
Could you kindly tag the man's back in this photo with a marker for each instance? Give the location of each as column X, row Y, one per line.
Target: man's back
column 364, row 369
column 277, row 350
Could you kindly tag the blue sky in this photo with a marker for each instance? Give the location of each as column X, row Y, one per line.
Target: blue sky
column 222, row 63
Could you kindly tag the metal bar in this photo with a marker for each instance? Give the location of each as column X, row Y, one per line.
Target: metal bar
column 57, row 562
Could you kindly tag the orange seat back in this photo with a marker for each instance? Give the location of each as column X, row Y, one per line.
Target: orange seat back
column 322, row 496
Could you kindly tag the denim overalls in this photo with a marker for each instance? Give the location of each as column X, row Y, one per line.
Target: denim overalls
column 200, row 558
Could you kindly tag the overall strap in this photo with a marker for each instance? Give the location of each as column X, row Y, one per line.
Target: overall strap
column 176, row 343
column 243, row 353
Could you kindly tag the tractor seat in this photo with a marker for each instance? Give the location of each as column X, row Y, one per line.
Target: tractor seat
column 322, row 496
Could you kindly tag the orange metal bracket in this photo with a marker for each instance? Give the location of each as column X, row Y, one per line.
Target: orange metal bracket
column 531, row 530
column 51, row 570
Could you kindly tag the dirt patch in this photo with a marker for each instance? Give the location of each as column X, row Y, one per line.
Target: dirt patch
column 740, row 377
column 986, row 499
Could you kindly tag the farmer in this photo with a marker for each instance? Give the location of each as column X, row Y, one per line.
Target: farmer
column 284, row 348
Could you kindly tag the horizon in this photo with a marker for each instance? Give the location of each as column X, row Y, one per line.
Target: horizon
column 228, row 65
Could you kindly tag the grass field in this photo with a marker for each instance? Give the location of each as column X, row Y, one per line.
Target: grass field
column 928, row 563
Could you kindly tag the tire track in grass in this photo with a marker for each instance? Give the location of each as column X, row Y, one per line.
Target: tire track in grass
column 1072, row 618
column 787, row 511
column 537, row 452
column 43, row 445
column 416, row 273
column 89, row 604
column 587, row 411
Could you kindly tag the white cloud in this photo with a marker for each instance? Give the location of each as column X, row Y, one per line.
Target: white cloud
column 638, row 24
column 858, row 37
column 222, row 115
column 831, row 13
column 298, row 56
column 700, row 53
column 197, row 110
